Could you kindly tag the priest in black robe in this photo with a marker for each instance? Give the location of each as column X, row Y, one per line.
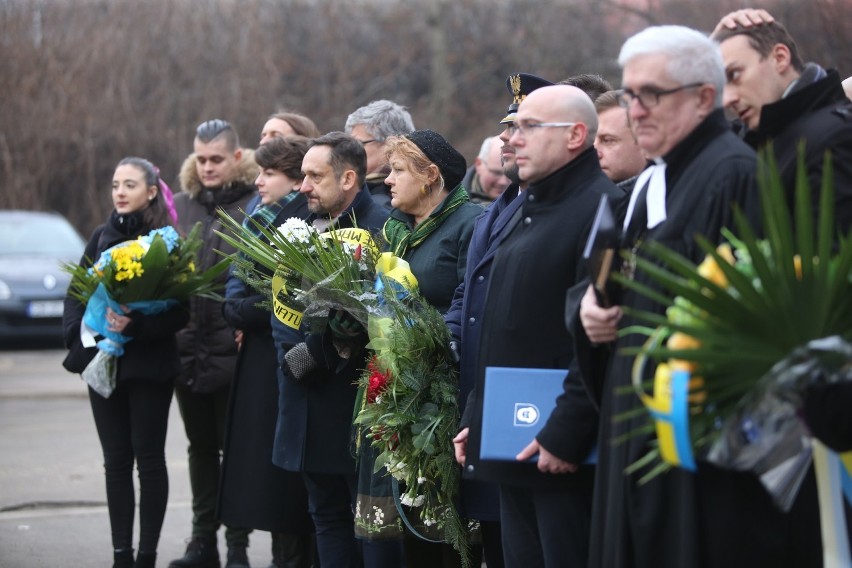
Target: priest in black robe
column 673, row 79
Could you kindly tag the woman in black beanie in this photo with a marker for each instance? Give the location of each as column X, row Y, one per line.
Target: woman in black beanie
column 430, row 226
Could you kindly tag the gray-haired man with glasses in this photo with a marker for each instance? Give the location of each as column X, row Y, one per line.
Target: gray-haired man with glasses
column 672, row 89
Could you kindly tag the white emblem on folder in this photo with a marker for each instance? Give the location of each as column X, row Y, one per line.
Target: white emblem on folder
column 526, row 414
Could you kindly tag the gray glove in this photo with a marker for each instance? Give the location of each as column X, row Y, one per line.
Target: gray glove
column 299, row 362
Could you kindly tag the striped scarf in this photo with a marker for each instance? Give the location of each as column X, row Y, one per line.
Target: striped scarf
column 399, row 233
column 266, row 214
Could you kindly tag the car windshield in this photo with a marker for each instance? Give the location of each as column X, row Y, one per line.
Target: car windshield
column 38, row 235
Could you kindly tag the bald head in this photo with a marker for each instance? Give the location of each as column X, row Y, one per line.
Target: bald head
column 553, row 126
column 568, row 104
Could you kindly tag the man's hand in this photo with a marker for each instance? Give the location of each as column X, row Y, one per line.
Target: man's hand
column 747, row 17
column 547, row 462
column 601, row 324
column 238, row 338
column 460, row 446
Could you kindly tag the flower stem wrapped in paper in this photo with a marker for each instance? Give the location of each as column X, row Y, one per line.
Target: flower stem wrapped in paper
column 748, row 332
column 150, row 275
column 410, row 413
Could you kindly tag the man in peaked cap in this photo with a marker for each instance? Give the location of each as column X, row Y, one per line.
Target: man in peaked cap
column 480, row 500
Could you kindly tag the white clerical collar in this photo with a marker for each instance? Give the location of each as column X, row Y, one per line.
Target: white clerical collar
column 655, row 198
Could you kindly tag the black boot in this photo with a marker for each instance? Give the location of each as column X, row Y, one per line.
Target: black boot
column 294, row 550
column 200, row 553
column 276, row 550
column 237, row 557
column 122, row 558
column 146, row 560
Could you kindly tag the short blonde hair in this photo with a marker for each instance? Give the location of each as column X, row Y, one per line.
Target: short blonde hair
column 418, row 162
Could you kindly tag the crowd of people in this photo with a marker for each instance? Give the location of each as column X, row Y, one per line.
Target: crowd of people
column 498, row 248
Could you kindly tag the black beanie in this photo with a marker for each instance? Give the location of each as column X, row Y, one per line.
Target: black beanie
column 451, row 164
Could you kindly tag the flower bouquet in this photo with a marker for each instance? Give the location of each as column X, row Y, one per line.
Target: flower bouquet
column 410, row 413
column 149, row 274
column 307, row 273
column 745, row 333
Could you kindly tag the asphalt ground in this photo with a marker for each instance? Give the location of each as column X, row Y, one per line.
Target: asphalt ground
column 52, row 498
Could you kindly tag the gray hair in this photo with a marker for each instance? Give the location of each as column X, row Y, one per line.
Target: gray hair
column 382, row 119
column 693, row 57
column 485, row 148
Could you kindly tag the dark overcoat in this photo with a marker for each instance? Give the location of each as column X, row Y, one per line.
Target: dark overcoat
column 479, row 500
column 314, row 428
column 253, row 492
column 522, row 322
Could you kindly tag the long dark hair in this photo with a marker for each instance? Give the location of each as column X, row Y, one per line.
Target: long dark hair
column 156, row 215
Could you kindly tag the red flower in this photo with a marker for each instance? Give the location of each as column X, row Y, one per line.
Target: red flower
column 378, row 381
column 357, row 254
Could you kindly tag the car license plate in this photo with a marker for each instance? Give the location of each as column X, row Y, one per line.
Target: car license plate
column 45, row 309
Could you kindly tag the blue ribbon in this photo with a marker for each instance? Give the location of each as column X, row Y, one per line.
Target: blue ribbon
column 95, row 317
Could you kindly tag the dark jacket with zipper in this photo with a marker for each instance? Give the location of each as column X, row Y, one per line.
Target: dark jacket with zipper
column 207, row 348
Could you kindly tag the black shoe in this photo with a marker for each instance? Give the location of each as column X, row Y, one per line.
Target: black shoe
column 294, row 550
column 237, row 557
column 122, row 558
column 146, row 560
column 200, row 553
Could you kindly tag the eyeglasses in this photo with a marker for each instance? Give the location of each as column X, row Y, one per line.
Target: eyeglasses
column 525, row 128
column 365, row 142
column 648, row 98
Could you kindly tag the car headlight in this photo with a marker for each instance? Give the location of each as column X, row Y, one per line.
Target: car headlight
column 5, row 291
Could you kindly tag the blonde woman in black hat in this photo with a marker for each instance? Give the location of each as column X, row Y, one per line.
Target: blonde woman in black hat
column 430, row 226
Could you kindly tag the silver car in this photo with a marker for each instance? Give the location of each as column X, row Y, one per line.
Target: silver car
column 32, row 284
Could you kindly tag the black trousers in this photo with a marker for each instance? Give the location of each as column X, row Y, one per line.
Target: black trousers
column 546, row 528
column 204, row 422
column 132, row 426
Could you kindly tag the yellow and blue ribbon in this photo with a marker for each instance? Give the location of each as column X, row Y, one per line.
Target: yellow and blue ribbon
column 669, row 406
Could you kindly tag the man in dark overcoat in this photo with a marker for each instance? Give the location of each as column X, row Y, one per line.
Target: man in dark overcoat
column 784, row 101
column 544, row 506
column 314, row 430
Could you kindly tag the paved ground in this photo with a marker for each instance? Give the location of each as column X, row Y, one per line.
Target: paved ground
column 52, row 498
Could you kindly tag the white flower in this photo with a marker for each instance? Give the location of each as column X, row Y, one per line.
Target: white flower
column 379, row 399
column 379, row 514
column 296, row 230
column 419, row 500
column 421, row 480
column 406, row 500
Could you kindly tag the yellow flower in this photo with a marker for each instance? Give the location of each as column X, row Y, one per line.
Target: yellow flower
column 680, row 340
column 797, row 266
column 710, row 270
column 191, row 266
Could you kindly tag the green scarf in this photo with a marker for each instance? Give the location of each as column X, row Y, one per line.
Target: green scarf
column 401, row 236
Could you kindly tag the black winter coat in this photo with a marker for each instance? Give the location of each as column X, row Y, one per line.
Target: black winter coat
column 152, row 353
column 253, row 492
column 522, row 322
column 207, row 348
column 820, row 115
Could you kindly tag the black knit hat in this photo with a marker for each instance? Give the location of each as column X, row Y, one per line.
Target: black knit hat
column 451, row 164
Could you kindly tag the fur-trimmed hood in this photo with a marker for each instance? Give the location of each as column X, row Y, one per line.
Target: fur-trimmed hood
column 247, row 171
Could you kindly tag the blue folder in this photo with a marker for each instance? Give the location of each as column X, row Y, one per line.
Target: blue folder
column 516, row 405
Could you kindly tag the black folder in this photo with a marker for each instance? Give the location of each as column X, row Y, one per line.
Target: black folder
column 600, row 249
